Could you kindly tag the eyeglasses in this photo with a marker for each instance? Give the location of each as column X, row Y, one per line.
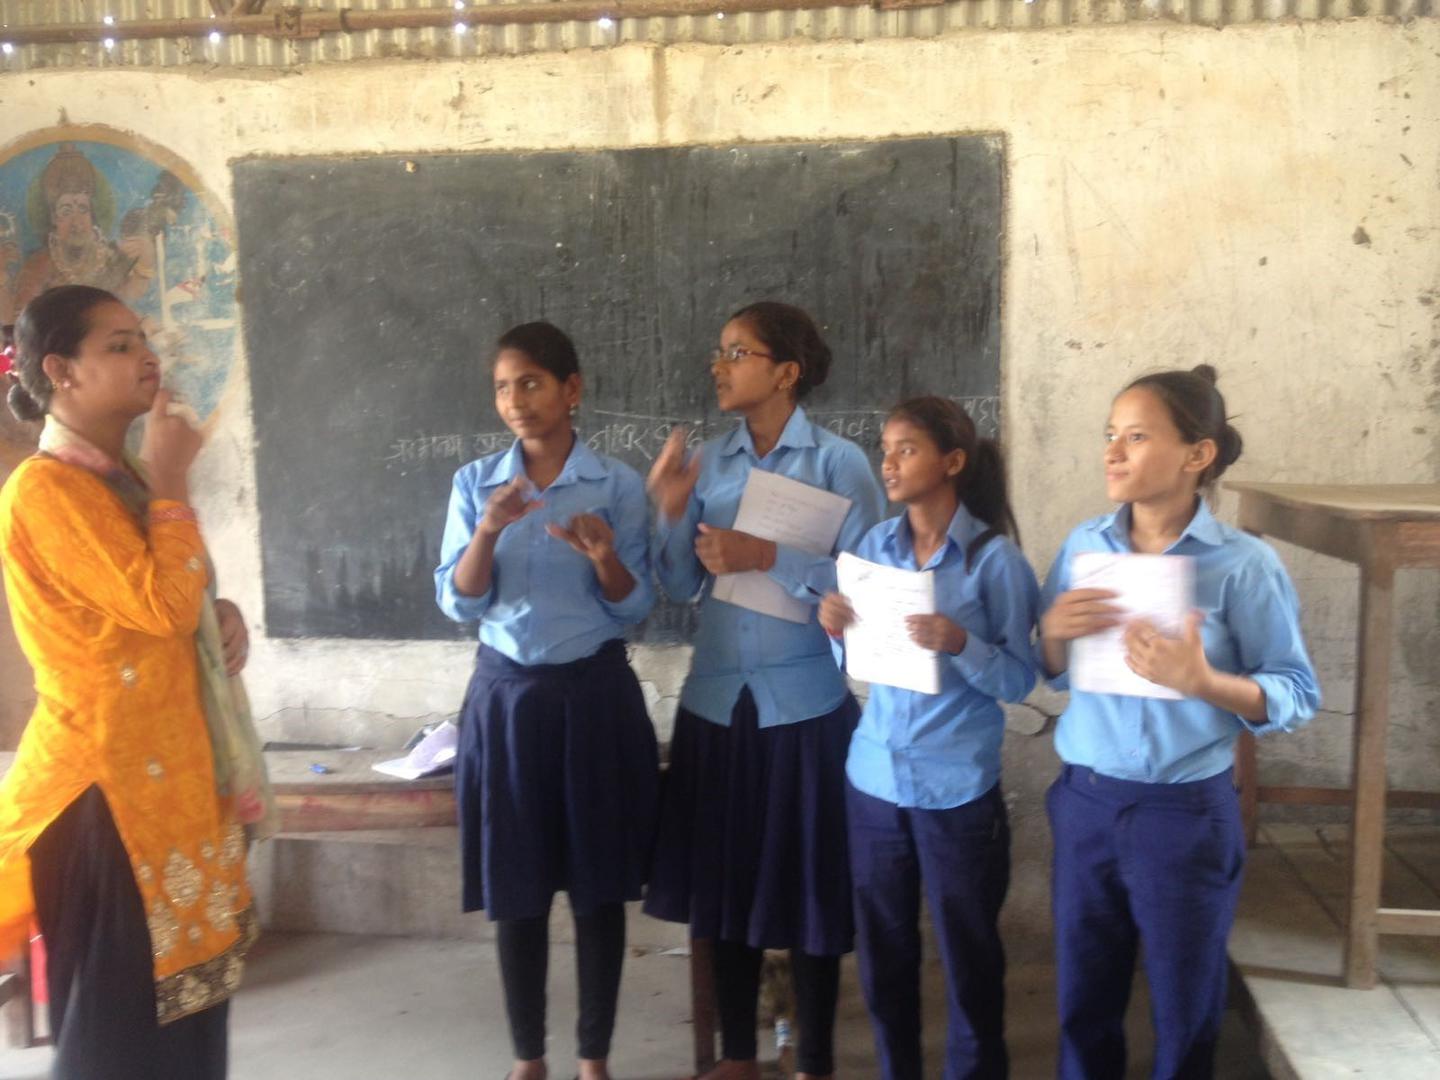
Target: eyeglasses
column 734, row 354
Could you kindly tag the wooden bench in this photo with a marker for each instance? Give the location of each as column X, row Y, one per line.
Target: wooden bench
column 351, row 795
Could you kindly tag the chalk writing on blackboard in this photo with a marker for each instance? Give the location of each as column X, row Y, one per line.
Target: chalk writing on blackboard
column 637, row 437
column 412, row 450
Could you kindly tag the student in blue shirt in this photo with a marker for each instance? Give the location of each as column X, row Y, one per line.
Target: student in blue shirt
column 1149, row 846
column 751, row 849
column 557, row 773
column 925, row 807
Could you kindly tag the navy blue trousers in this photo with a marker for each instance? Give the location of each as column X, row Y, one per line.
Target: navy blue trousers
column 1152, row 865
column 961, row 857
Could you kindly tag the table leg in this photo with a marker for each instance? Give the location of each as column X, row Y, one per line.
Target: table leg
column 1367, row 829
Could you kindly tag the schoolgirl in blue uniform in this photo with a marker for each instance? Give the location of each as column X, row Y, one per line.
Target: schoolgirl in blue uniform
column 751, row 849
column 557, row 774
column 925, row 808
column 1149, row 846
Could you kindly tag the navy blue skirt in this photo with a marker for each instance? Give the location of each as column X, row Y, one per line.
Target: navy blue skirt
column 752, row 842
column 557, row 781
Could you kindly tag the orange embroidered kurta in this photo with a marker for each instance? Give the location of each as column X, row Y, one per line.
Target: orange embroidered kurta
column 106, row 614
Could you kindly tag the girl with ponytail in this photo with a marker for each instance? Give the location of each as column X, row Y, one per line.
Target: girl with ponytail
column 1149, row 846
column 923, row 794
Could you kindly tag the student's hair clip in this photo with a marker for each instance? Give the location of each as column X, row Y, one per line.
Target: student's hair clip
column 7, row 361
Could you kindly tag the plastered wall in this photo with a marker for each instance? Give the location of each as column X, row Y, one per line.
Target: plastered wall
column 1266, row 199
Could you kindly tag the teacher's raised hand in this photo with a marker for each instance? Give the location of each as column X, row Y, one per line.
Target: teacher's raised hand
column 168, row 449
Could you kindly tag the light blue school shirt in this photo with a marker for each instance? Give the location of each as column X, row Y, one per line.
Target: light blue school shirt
column 938, row 751
column 544, row 605
column 786, row 665
column 1251, row 628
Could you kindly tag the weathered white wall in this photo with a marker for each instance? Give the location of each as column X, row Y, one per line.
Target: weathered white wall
column 1265, row 198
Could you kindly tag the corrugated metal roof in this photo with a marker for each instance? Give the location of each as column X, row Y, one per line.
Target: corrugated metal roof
column 819, row 24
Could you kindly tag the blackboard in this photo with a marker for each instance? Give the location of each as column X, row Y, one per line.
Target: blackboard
column 374, row 287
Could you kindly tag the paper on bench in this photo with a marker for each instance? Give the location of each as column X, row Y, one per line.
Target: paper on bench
column 433, row 754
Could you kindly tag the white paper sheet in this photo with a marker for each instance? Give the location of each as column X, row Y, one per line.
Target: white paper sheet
column 1157, row 588
column 790, row 513
column 433, row 754
column 878, row 648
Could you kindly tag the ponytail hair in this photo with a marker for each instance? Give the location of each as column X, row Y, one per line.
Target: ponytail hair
column 1197, row 409
column 981, row 485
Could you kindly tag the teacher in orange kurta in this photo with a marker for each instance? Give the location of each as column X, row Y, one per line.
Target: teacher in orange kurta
column 125, row 820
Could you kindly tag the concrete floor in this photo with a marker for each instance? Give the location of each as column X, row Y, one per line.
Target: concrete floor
column 1288, row 945
column 344, row 1007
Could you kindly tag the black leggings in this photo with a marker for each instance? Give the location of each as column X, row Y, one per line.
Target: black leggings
column 817, row 991
column 524, row 948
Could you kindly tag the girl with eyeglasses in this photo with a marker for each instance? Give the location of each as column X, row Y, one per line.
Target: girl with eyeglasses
column 752, row 849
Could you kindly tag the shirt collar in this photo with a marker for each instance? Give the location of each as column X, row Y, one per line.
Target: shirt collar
column 510, row 465
column 796, row 434
column 963, row 528
column 582, row 464
column 1203, row 526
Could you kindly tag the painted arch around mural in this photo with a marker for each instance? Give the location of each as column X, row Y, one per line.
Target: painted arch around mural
column 90, row 204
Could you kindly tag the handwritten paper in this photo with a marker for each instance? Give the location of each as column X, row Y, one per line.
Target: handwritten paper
column 878, row 648
column 1157, row 588
column 793, row 515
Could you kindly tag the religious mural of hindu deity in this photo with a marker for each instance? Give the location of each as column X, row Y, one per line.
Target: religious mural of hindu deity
column 96, row 207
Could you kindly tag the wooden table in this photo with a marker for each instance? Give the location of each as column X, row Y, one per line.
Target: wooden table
column 1381, row 528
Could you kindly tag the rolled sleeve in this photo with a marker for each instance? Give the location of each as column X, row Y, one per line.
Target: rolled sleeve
column 802, row 575
column 1265, row 619
column 460, row 521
